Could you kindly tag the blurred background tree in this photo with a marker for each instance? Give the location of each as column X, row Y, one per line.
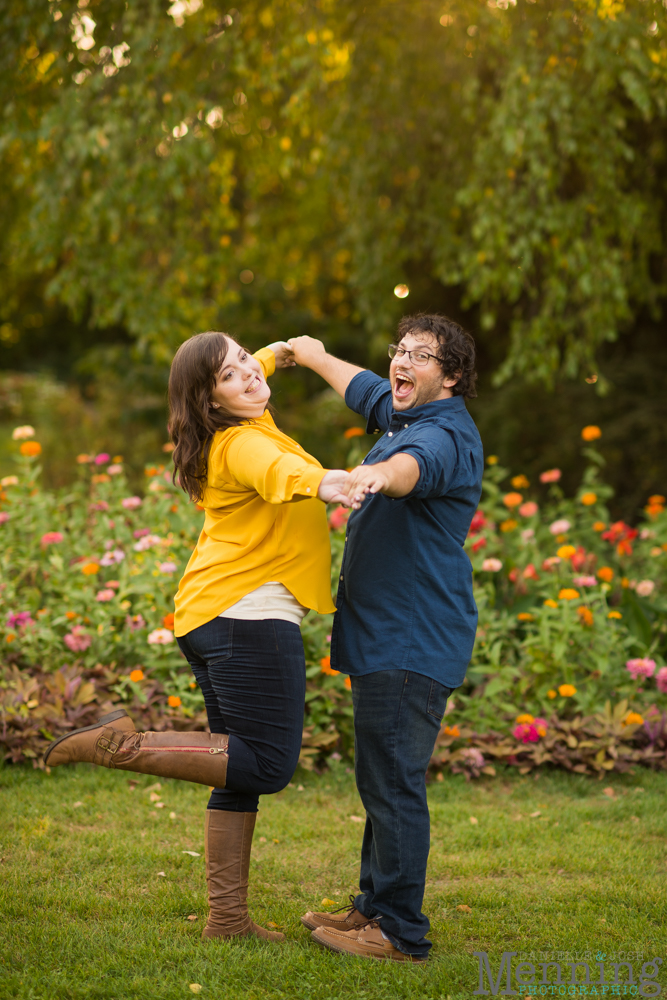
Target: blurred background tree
column 281, row 168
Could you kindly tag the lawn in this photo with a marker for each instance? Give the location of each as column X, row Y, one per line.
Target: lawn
column 98, row 893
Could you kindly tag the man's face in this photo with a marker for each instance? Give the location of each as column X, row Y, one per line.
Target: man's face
column 414, row 385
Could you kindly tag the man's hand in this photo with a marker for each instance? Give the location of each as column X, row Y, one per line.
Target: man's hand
column 331, row 487
column 396, row 477
column 306, row 350
column 283, row 353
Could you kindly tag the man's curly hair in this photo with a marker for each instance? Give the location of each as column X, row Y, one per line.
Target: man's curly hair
column 456, row 348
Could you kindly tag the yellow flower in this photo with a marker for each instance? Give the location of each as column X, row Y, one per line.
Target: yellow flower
column 89, row 569
column 614, row 614
column 492, row 460
column 520, row 482
column 567, row 690
column 633, row 719
column 551, row 693
column 588, row 499
column 591, row 433
column 525, row 616
column 526, row 717
column 509, row 525
column 568, row 594
column 549, row 603
column 566, row 551
column 599, row 525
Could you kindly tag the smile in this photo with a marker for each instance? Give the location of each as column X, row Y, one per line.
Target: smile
column 403, row 385
column 254, row 385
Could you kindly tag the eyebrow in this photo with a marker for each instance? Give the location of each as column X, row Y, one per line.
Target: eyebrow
column 242, row 350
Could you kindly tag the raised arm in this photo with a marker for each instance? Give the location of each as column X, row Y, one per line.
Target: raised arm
column 310, row 353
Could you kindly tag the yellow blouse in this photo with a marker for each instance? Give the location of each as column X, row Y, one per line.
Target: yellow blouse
column 254, row 529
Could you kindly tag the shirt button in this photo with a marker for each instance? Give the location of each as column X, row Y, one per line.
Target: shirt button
column 307, row 489
column 341, row 576
column 390, row 434
column 405, row 427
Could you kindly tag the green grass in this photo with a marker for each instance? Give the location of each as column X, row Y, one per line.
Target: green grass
column 86, row 915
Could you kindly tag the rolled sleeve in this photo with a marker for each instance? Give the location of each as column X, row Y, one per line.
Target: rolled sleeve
column 370, row 395
column 278, row 477
column 435, row 453
column 267, row 360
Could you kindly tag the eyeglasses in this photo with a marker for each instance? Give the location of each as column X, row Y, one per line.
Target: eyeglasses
column 419, row 358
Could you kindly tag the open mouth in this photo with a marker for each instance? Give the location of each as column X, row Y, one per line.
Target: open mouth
column 403, row 385
column 254, row 385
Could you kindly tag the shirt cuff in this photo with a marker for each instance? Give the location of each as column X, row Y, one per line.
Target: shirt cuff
column 267, row 360
column 309, row 481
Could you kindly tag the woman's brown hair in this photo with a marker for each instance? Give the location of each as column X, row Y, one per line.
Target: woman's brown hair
column 192, row 420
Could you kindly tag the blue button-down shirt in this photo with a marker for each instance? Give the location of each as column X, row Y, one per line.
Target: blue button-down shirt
column 405, row 592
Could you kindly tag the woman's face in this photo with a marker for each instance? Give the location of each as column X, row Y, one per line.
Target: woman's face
column 240, row 385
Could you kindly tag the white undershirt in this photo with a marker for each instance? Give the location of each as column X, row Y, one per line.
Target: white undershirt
column 271, row 600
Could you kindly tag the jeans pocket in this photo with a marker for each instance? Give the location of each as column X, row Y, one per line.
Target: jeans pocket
column 437, row 700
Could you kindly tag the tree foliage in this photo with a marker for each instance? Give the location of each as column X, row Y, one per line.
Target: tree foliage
column 157, row 158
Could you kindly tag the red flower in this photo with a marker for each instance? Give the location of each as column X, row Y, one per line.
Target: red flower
column 477, row 523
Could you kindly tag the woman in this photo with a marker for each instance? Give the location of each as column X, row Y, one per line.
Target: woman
column 261, row 561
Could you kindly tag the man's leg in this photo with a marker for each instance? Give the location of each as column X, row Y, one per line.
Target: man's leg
column 397, row 716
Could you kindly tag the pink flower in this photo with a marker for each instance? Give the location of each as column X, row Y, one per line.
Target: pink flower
column 550, row 562
column 131, row 503
column 100, row 505
column 530, row 732
column 527, row 534
column 560, row 526
column 640, row 667
column 528, row 509
column 492, row 565
column 160, row 637
column 4, row 516
column 584, row 581
column 147, row 542
column 338, row 518
column 52, row 538
column 472, row 757
column 113, row 557
column 645, row 588
column 168, row 567
column 102, row 458
column 661, row 680
column 105, row 595
column 20, row 620
column 115, row 470
column 135, row 622
column 77, row 640
column 550, row 476
column 140, row 532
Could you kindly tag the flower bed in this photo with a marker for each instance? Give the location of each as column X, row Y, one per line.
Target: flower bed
column 568, row 668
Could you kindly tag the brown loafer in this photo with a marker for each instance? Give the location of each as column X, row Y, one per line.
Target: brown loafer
column 364, row 942
column 345, row 918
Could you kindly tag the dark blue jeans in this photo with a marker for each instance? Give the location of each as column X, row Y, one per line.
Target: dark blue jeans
column 397, row 716
column 253, row 678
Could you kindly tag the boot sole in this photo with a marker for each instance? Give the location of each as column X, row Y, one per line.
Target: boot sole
column 103, row 721
column 356, row 954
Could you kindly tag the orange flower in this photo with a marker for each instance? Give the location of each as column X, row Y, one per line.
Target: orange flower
column 568, row 594
column 31, row 449
column 353, row 432
column 512, row 500
column 585, row 615
column 168, row 621
column 71, row 615
column 525, row 616
column 526, row 717
column 591, row 433
column 633, row 719
column 174, row 508
column 588, row 499
column 653, row 509
column 606, row 573
column 137, row 675
column 84, row 459
column 566, row 551
column 10, row 637
column 90, row 569
column 552, row 694
column 614, row 614
column 550, row 603
column 599, row 526
column 625, row 582
column 173, row 701
column 101, row 477
column 520, row 482
column 116, row 459
column 168, row 447
column 348, row 683
column 510, row 524
column 567, row 690
column 452, row 731
column 325, row 664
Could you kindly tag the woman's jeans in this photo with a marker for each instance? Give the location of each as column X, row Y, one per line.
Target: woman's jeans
column 253, row 678
column 397, row 716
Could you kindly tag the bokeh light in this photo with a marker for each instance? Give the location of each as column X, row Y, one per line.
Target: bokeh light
column 401, row 291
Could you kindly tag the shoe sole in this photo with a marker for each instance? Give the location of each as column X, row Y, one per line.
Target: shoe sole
column 356, row 954
column 103, row 721
column 309, row 925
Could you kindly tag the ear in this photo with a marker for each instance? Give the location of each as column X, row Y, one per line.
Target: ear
column 448, row 383
column 216, row 406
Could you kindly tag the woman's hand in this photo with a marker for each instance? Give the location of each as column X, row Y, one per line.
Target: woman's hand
column 306, row 350
column 283, row 353
column 330, row 489
column 397, row 477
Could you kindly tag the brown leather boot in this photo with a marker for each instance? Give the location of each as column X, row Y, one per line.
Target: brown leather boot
column 345, row 918
column 228, row 838
column 198, row 757
column 120, row 720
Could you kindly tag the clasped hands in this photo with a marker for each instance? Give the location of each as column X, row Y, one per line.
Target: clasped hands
column 350, row 489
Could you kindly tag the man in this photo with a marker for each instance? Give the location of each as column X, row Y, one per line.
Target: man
column 405, row 621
